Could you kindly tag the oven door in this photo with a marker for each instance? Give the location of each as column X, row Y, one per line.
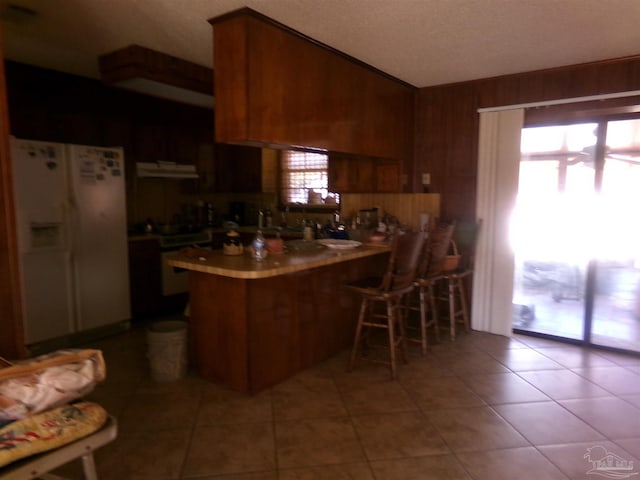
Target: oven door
column 174, row 280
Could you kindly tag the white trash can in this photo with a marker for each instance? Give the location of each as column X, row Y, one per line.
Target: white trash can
column 167, row 350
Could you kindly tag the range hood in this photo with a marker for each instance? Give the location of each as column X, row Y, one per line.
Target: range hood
column 166, row 170
column 158, row 74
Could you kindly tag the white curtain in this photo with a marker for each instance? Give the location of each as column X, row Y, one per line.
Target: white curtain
column 498, row 167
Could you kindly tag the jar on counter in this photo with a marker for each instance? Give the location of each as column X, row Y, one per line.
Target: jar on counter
column 307, row 230
column 232, row 244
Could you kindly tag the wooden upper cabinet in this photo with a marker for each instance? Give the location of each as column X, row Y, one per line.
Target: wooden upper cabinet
column 273, row 86
column 349, row 174
column 388, row 177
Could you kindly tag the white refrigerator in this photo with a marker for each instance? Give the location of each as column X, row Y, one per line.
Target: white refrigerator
column 72, row 234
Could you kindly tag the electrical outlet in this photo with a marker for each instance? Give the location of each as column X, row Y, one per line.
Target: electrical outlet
column 426, row 178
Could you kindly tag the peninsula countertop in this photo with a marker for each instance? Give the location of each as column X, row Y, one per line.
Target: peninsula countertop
column 244, row 267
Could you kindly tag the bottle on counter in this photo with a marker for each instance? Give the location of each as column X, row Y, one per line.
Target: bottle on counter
column 268, row 218
column 260, row 218
column 211, row 214
column 259, row 252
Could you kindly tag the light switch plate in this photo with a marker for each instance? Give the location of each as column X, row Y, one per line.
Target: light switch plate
column 426, row 178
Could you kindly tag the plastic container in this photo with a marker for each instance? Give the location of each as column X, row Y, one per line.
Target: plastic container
column 167, row 350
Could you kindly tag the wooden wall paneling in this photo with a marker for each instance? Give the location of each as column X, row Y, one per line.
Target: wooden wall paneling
column 118, row 132
column 237, row 168
column 461, row 199
column 615, row 76
column 405, row 206
column 448, row 118
column 430, row 147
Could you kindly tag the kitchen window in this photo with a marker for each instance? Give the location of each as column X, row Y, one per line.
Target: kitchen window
column 302, row 173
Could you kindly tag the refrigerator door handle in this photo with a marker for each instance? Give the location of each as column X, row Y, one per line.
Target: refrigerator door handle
column 70, row 215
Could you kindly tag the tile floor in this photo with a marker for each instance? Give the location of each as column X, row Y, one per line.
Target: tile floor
column 483, row 407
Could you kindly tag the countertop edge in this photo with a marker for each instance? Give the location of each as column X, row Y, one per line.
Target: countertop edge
column 274, row 265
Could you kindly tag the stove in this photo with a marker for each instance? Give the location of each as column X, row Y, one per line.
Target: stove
column 176, row 280
column 176, row 241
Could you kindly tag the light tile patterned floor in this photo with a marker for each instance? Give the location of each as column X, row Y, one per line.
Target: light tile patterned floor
column 483, row 407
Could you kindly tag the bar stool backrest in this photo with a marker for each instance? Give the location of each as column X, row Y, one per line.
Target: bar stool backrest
column 466, row 237
column 435, row 250
column 406, row 250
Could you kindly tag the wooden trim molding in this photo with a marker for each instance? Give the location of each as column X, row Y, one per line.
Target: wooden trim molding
column 11, row 319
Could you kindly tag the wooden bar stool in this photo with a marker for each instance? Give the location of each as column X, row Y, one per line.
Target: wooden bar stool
column 454, row 292
column 388, row 292
column 423, row 297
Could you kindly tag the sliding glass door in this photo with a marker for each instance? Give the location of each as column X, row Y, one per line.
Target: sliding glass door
column 576, row 233
column 615, row 319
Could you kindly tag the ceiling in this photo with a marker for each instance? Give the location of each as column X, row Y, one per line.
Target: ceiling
column 423, row 42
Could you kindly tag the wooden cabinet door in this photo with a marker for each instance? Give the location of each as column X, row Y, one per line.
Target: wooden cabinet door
column 362, row 175
column 388, row 177
column 145, row 277
column 354, row 174
column 338, row 173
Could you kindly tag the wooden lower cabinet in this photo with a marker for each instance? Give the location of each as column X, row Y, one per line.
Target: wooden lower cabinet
column 145, row 277
column 252, row 334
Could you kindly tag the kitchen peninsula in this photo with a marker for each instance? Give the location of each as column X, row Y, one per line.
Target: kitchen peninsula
column 253, row 324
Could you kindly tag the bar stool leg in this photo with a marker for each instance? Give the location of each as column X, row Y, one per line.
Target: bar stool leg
column 463, row 303
column 434, row 311
column 356, row 341
column 452, row 307
column 392, row 338
column 403, row 333
column 423, row 320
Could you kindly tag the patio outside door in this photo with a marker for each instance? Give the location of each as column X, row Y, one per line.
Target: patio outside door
column 576, row 233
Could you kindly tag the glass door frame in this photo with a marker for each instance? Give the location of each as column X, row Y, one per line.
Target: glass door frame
column 602, row 119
